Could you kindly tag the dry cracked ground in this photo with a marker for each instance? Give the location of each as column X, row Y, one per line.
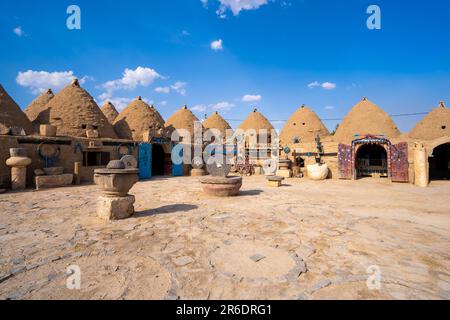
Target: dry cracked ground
column 306, row 240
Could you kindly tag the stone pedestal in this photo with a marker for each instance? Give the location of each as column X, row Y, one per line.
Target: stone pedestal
column 198, row 172
column 420, row 166
column 115, row 208
column 18, row 163
column 275, row 181
column 285, row 173
column 115, row 182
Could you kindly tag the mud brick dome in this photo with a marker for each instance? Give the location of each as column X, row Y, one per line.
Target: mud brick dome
column 366, row 118
column 11, row 115
column 182, row 119
column 435, row 125
column 73, row 111
column 137, row 119
column 217, row 122
column 256, row 121
column 110, row 112
column 304, row 125
column 37, row 111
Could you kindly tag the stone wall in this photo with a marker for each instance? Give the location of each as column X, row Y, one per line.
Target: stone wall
column 69, row 154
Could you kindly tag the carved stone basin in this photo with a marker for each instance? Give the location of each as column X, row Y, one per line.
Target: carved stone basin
column 116, row 182
column 221, row 186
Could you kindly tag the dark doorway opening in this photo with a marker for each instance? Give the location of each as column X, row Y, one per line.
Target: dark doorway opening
column 157, row 160
column 371, row 161
column 440, row 163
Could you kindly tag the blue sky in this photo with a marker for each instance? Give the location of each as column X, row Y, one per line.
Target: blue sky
column 231, row 55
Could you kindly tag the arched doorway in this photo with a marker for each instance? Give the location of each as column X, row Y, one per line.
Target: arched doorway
column 371, row 161
column 440, row 163
column 157, row 160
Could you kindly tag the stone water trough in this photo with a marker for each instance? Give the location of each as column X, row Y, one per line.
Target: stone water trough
column 219, row 184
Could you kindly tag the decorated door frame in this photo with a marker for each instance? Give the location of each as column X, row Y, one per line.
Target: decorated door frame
column 397, row 158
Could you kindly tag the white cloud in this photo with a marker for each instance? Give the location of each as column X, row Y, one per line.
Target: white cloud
column 251, row 98
column 236, row 6
column 217, row 45
column 180, row 87
column 224, row 106
column 199, row 108
column 185, row 33
column 118, row 102
column 18, row 31
column 39, row 81
column 328, row 86
column 131, row 79
column 329, row 108
column 163, row 103
column 325, row 85
column 162, row 90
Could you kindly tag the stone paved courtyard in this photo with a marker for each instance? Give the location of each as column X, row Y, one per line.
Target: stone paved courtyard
column 305, row 240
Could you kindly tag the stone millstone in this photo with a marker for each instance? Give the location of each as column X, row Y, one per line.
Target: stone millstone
column 218, row 170
column 130, row 162
column 116, row 164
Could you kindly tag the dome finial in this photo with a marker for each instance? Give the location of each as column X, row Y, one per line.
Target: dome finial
column 364, row 98
column 75, row 82
column 139, row 98
column 184, row 107
column 255, row 110
column 442, row 104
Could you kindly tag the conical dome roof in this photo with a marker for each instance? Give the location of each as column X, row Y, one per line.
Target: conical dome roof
column 182, row 119
column 137, row 119
column 217, row 122
column 256, row 121
column 304, row 125
column 73, row 110
column 37, row 111
column 11, row 115
column 366, row 118
column 110, row 112
column 435, row 125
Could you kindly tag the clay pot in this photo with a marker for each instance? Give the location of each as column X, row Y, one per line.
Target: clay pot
column 18, row 152
column 317, row 172
column 116, row 182
column 221, row 186
column 54, row 171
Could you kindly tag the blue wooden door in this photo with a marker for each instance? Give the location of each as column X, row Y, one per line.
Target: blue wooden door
column 145, row 161
column 177, row 166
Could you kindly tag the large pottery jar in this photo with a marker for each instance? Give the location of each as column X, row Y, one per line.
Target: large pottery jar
column 317, row 172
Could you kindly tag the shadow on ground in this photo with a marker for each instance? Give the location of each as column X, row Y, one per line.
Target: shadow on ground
column 250, row 193
column 173, row 208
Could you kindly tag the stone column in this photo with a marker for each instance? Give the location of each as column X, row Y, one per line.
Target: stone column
column 18, row 163
column 420, row 166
